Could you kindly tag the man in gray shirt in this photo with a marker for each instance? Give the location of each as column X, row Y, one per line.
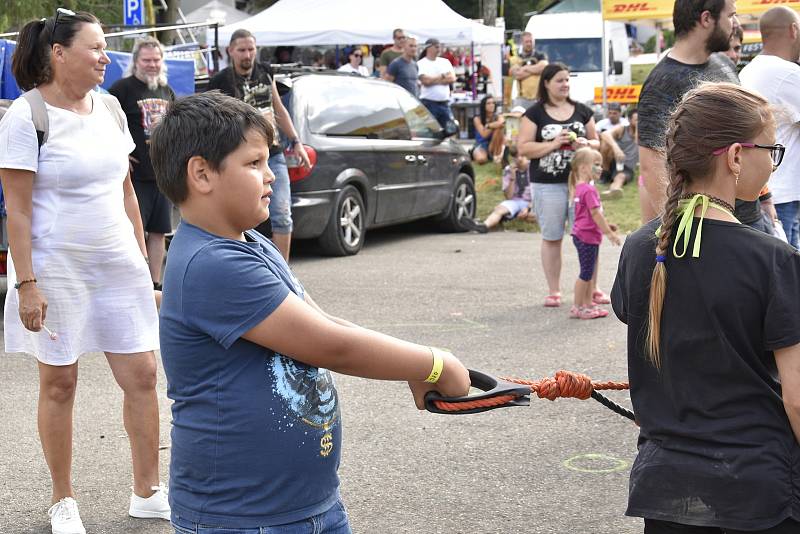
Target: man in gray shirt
column 403, row 70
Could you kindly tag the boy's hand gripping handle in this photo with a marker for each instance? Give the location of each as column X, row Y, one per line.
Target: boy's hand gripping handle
column 506, row 393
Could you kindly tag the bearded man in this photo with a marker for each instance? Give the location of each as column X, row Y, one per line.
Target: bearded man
column 701, row 29
column 144, row 96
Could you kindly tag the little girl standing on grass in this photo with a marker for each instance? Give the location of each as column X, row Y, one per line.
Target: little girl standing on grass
column 588, row 229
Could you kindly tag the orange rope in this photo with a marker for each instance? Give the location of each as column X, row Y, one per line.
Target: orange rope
column 565, row 384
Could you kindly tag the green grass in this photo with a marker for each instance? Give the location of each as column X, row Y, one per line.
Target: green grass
column 488, row 181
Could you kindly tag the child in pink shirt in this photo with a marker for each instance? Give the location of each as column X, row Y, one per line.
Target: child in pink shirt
column 588, row 229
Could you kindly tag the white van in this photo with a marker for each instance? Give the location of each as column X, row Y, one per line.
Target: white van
column 574, row 38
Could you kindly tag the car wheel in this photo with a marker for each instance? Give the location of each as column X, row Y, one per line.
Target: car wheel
column 463, row 205
column 344, row 235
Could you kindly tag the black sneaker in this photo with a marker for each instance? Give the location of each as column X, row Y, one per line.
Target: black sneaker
column 474, row 226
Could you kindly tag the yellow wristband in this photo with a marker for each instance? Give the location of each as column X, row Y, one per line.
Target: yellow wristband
column 438, row 365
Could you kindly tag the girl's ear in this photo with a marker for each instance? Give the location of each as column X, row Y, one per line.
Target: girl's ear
column 734, row 158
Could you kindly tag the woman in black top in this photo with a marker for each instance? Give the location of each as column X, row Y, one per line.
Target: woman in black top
column 549, row 134
column 714, row 333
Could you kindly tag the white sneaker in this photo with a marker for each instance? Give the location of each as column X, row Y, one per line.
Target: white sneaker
column 154, row 507
column 64, row 517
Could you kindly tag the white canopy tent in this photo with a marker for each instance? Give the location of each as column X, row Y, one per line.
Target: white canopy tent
column 329, row 22
column 216, row 11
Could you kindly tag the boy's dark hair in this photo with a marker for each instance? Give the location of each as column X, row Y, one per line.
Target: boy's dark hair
column 686, row 13
column 210, row 125
column 30, row 63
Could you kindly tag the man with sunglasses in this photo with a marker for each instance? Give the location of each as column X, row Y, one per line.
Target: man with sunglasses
column 393, row 52
column 775, row 75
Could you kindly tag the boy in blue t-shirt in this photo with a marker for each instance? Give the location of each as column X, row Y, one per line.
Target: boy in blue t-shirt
column 256, row 431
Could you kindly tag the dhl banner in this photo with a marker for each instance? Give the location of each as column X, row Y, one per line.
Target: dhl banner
column 756, row 7
column 662, row 9
column 623, row 94
column 637, row 9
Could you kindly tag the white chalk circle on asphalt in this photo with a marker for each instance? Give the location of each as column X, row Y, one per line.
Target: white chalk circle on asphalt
column 595, row 463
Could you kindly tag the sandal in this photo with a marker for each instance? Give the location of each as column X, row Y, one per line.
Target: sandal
column 574, row 312
column 552, row 301
column 592, row 313
column 599, row 297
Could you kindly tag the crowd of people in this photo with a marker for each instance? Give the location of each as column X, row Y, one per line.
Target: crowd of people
column 713, row 334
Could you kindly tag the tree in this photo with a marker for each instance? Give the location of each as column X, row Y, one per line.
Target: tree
column 14, row 14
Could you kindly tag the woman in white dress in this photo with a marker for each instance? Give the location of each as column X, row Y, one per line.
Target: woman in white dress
column 77, row 263
column 355, row 57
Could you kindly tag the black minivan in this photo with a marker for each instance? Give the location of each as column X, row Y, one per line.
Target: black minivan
column 380, row 158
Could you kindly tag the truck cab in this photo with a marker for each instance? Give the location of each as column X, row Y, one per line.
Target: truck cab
column 575, row 39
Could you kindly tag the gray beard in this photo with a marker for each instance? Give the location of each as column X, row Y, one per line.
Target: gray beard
column 153, row 82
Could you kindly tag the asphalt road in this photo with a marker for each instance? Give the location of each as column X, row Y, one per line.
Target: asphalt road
column 554, row 467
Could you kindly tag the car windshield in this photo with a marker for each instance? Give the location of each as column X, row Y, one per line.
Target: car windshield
column 580, row 55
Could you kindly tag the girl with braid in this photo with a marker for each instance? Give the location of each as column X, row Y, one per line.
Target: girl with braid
column 713, row 314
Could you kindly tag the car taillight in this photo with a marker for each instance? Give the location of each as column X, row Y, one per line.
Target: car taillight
column 3, row 264
column 295, row 165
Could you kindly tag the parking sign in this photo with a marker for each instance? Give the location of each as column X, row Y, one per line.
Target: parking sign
column 134, row 12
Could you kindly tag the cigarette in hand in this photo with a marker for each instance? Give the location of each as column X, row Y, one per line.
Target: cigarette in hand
column 52, row 335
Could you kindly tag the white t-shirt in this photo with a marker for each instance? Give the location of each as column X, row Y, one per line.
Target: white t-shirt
column 347, row 67
column 605, row 124
column 778, row 81
column 435, row 68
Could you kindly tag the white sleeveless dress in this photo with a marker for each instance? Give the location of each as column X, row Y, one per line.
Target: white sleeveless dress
column 84, row 251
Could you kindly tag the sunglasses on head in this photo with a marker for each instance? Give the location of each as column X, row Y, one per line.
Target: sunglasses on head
column 60, row 12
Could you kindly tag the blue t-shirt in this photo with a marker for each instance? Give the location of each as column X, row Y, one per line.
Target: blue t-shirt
column 405, row 74
column 256, row 435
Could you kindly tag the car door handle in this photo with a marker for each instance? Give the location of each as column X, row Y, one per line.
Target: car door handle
column 422, row 160
column 411, row 159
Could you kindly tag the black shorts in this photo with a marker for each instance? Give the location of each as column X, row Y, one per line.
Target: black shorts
column 652, row 526
column 156, row 210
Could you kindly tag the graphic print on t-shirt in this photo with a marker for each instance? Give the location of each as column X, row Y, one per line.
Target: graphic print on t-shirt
column 152, row 109
column 309, row 394
column 259, row 95
column 558, row 160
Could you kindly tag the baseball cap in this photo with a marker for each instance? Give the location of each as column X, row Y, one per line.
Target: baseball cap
column 431, row 42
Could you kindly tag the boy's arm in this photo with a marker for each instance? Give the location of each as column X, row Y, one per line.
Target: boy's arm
column 299, row 331
column 338, row 320
column 600, row 220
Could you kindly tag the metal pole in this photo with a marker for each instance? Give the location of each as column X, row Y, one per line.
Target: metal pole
column 605, row 61
column 216, row 52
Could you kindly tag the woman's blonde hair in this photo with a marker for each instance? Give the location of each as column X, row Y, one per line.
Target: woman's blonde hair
column 711, row 116
column 583, row 156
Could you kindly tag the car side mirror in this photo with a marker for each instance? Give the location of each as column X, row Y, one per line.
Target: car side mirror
column 617, row 68
column 450, row 129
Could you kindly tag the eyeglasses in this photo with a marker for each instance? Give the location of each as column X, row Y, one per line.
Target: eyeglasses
column 63, row 12
column 400, row 38
column 776, row 152
column 359, row 55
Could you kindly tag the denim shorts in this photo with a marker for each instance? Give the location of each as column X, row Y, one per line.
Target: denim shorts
column 551, row 206
column 334, row 521
column 280, row 206
column 514, row 206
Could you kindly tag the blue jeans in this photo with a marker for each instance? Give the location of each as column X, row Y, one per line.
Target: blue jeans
column 280, row 206
column 440, row 111
column 334, row 521
column 788, row 214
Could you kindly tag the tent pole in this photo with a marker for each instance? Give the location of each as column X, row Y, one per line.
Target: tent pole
column 474, row 75
column 605, row 64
